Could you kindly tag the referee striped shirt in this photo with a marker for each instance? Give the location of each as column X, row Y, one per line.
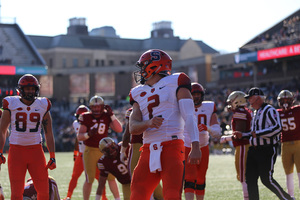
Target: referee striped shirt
column 266, row 125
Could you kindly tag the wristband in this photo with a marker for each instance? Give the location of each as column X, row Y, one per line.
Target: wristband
column 52, row 154
column 86, row 136
column 113, row 117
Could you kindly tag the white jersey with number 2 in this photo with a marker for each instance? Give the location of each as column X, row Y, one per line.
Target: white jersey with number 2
column 160, row 99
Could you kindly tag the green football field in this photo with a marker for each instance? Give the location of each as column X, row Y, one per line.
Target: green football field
column 221, row 180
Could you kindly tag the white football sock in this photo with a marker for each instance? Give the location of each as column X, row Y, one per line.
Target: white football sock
column 290, row 184
column 245, row 191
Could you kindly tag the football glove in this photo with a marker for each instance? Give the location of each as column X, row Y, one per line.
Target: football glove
column 202, row 127
column 51, row 164
column 109, row 110
column 2, row 159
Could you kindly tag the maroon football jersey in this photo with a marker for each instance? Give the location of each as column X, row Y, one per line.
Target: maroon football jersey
column 101, row 124
column 290, row 121
column 241, row 114
column 114, row 166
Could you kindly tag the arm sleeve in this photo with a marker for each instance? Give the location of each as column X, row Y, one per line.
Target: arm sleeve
column 187, row 111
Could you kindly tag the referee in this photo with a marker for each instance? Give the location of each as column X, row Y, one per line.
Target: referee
column 264, row 138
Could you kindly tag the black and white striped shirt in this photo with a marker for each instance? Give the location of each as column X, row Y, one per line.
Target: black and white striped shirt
column 266, row 125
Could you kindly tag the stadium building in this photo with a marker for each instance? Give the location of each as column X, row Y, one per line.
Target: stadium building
column 79, row 64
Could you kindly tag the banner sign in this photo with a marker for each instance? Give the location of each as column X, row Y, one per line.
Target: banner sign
column 20, row 70
column 280, row 52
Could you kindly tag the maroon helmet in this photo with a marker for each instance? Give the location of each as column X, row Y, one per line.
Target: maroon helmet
column 28, row 80
column 198, row 88
column 81, row 109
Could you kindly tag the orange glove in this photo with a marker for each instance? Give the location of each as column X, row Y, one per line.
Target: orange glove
column 202, row 127
column 51, row 163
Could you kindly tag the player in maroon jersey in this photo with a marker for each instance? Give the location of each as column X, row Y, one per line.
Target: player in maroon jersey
column 94, row 126
column 240, row 123
column 290, row 137
column 110, row 163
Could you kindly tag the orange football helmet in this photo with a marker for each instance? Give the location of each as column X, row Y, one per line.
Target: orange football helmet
column 28, row 80
column 198, row 88
column 153, row 61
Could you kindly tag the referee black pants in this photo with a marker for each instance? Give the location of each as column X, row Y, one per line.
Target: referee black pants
column 260, row 163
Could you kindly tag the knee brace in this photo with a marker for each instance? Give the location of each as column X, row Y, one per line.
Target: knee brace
column 190, row 185
column 200, row 187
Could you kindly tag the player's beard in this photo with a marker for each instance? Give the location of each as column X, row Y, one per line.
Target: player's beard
column 29, row 97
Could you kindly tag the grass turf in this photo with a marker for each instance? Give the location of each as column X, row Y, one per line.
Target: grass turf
column 221, row 180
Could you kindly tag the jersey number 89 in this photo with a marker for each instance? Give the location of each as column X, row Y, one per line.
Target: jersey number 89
column 21, row 121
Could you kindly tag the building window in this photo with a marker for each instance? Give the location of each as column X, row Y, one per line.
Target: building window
column 122, row 62
column 87, row 62
column 111, row 63
column 97, row 63
column 64, row 63
column 102, row 63
column 75, row 62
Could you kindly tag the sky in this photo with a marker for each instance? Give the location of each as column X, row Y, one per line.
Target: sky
column 224, row 25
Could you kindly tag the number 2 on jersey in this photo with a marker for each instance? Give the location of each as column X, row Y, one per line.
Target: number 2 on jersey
column 154, row 103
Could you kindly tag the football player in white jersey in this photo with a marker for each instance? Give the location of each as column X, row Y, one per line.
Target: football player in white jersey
column 27, row 114
column 208, row 124
column 162, row 104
